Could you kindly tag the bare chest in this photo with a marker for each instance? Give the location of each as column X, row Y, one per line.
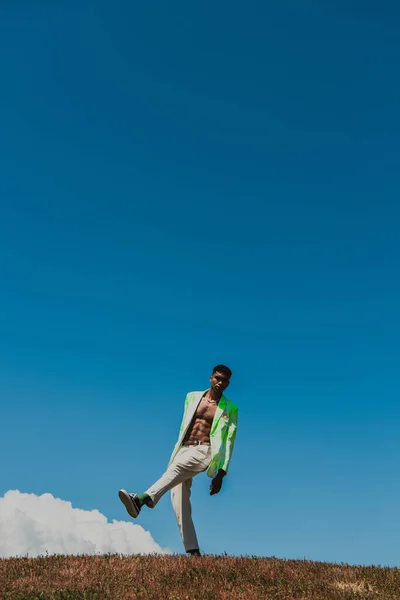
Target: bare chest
column 206, row 411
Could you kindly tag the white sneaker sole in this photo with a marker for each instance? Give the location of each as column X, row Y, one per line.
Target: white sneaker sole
column 127, row 502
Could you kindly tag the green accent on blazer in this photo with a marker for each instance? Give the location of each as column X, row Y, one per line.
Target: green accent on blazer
column 222, row 434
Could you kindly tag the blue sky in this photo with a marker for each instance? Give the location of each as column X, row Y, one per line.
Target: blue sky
column 183, row 185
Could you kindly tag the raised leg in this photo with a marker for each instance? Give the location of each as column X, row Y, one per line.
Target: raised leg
column 188, row 462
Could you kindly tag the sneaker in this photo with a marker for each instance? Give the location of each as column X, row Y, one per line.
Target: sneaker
column 195, row 552
column 131, row 503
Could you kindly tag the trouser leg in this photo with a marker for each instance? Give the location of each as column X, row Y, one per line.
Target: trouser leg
column 188, row 462
column 180, row 496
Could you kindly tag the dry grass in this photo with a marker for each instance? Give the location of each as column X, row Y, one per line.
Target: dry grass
column 359, row 587
column 115, row 577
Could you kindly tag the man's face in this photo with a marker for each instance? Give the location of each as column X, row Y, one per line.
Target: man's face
column 219, row 381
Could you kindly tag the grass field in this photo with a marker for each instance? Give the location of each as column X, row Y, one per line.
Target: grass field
column 185, row 578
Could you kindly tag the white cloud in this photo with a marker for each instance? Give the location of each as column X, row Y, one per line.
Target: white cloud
column 34, row 525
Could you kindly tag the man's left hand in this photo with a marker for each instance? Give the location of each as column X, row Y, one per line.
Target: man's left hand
column 216, row 484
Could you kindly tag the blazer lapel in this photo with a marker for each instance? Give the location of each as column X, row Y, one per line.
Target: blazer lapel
column 191, row 411
column 220, row 409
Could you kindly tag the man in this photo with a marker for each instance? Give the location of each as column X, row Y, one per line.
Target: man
column 205, row 443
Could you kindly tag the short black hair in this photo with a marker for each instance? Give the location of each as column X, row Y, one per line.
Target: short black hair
column 223, row 369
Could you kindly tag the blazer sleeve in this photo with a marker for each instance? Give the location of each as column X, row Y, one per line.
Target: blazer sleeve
column 230, row 440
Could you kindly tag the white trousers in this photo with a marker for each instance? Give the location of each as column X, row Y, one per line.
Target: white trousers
column 189, row 461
